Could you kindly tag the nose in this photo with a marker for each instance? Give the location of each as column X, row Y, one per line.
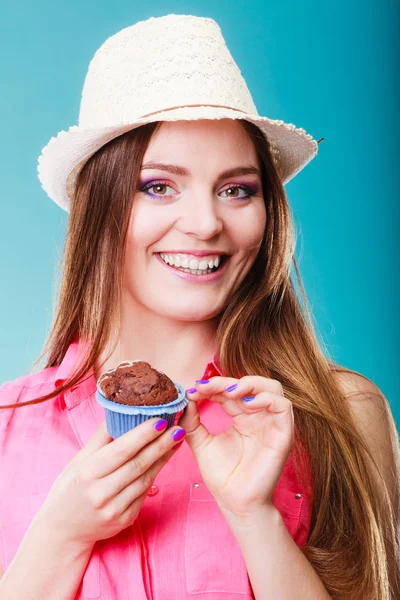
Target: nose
column 202, row 218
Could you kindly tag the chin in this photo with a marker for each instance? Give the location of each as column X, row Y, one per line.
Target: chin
column 190, row 314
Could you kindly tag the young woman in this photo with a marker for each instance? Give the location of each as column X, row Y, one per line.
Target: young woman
column 179, row 251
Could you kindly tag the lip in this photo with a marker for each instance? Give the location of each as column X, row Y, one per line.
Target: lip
column 194, row 252
column 207, row 278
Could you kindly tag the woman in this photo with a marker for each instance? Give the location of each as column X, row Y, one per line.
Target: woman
column 257, row 502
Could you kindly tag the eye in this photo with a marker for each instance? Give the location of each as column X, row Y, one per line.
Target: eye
column 232, row 190
column 235, row 189
column 159, row 185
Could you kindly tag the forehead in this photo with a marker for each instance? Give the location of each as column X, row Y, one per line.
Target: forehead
column 223, row 140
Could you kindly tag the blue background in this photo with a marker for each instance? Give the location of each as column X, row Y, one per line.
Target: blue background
column 330, row 69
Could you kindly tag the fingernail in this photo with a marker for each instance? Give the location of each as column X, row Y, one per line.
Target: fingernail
column 202, row 381
column 231, row 387
column 191, row 391
column 178, row 435
column 248, row 398
column 160, row 425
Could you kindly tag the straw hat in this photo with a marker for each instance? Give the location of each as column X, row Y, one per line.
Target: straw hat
column 169, row 68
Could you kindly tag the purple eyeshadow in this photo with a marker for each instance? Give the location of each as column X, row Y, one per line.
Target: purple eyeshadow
column 249, row 188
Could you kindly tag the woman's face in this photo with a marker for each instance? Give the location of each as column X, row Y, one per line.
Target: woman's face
column 194, row 208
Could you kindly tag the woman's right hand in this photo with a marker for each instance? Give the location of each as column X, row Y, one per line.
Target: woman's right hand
column 101, row 490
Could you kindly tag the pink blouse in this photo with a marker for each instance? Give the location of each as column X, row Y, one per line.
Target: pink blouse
column 179, row 547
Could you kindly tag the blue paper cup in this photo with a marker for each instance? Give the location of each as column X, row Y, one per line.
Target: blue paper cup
column 121, row 418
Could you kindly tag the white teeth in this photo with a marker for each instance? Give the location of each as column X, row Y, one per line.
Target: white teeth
column 194, row 272
column 189, row 262
column 203, row 265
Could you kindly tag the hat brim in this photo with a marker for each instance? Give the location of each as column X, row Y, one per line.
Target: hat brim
column 64, row 156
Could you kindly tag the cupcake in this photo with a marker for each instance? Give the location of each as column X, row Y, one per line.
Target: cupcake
column 134, row 392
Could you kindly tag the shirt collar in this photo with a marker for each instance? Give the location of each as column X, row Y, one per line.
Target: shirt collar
column 66, row 366
column 75, row 354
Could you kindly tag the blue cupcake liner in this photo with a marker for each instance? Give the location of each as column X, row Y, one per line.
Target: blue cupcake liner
column 121, row 418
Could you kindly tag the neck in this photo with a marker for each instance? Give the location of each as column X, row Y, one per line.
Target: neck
column 181, row 349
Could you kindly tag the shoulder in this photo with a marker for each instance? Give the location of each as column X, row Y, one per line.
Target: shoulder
column 366, row 401
column 374, row 421
column 27, row 387
column 352, row 382
column 368, row 405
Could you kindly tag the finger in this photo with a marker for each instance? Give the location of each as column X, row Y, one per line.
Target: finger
column 228, row 404
column 141, row 464
column 220, row 389
column 247, row 384
column 138, row 489
column 275, row 405
column 196, row 433
column 122, row 449
column 99, row 439
column 185, row 420
column 250, row 403
column 205, row 387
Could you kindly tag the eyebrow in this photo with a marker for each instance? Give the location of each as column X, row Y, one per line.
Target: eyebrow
column 176, row 170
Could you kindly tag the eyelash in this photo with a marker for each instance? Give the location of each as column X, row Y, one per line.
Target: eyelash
column 250, row 191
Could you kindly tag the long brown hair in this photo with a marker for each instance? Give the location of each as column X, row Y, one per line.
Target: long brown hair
column 265, row 330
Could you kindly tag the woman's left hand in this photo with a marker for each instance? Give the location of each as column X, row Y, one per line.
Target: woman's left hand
column 242, row 465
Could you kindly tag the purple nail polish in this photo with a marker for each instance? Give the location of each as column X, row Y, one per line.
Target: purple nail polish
column 202, row 381
column 178, row 435
column 191, row 391
column 231, row 387
column 160, row 425
column 248, row 398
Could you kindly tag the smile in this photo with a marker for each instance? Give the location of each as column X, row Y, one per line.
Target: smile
column 196, row 275
column 192, row 264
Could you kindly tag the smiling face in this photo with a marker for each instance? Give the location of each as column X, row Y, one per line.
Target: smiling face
column 194, row 208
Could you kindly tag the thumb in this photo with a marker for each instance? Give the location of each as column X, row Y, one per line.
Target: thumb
column 100, row 438
column 196, row 434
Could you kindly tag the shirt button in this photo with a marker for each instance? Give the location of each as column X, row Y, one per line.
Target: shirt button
column 153, row 490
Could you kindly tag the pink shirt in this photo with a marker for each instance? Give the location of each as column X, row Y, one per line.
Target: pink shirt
column 179, row 547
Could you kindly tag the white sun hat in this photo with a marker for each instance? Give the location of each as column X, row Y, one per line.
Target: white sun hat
column 169, row 68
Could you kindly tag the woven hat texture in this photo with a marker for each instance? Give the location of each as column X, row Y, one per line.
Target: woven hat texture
column 169, row 68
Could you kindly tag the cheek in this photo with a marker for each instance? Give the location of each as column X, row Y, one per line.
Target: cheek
column 146, row 227
column 249, row 231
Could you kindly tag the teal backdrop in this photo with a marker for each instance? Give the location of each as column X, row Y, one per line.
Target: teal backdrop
column 330, row 68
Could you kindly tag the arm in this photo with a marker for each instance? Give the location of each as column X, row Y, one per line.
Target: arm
column 373, row 418
column 44, row 567
column 374, row 421
column 276, row 566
